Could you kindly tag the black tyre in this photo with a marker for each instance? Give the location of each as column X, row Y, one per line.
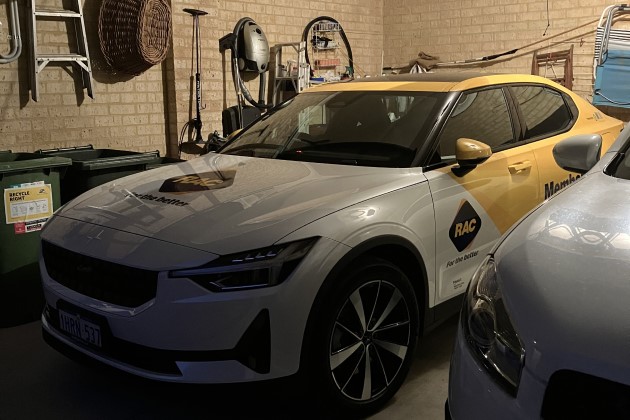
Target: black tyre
column 364, row 337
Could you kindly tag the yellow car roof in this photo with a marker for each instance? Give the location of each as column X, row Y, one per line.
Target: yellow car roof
column 431, row 82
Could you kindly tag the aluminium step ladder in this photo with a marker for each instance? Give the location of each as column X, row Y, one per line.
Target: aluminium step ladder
column 81, row 58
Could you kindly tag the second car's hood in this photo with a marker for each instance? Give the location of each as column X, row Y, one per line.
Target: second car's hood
column 224, row 204
column 564, row 273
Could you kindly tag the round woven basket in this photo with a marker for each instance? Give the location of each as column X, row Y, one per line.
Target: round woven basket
column 134, row 34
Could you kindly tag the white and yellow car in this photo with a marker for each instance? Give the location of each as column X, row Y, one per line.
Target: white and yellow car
column 319, row 242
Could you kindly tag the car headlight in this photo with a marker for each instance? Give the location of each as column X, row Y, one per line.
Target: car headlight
column 249, row 270
column 488, row 328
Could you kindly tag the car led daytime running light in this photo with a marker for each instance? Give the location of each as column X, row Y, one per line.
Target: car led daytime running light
column 249, row 270
column 488, row 328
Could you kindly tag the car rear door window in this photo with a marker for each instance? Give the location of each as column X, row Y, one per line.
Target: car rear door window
column 481, row 115
column 544, row 111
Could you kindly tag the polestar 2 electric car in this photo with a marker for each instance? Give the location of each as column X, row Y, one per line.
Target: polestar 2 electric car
column 317, row 243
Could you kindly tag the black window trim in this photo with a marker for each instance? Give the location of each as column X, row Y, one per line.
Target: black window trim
column 568, row 103
column 514, row 120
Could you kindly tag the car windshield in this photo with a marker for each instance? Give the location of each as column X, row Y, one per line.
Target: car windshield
column 383, row 129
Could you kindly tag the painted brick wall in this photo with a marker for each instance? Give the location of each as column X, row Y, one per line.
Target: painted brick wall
column 458, row 30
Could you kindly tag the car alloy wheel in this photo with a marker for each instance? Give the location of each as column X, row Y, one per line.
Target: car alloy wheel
column 367, row 327
column 370, row 340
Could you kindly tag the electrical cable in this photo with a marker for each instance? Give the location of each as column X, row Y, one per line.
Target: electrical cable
column 510, row 52
column 344, row 38
column 612, row 101
column 548, row 21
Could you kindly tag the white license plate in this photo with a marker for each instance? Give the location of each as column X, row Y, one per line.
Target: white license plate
column 80, row 328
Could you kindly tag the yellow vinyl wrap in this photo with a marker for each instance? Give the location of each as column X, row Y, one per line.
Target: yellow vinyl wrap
column 474, row 209
column 530, row 167
column 532, row 177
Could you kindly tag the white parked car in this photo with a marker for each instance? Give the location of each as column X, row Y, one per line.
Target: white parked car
column 320, row 241
column 544, row 330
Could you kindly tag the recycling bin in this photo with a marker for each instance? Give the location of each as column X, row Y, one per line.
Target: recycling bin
column 30, row 188
column 93, row 167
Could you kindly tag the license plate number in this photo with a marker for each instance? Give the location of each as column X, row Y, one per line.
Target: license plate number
column 80, row 328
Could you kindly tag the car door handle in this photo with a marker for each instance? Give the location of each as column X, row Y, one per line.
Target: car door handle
column 515, row 168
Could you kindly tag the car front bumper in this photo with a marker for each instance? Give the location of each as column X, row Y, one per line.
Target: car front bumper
column 189, row 334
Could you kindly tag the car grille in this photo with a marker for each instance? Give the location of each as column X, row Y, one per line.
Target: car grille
column 98, row 279
column 578, row 395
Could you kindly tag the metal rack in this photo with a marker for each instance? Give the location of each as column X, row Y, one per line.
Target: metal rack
column 325, row 43
column 294, row 72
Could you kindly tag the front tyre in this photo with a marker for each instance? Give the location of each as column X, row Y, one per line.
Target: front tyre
column 366, row 337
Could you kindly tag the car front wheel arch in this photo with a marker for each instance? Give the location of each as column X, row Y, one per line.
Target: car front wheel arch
column 361, row 335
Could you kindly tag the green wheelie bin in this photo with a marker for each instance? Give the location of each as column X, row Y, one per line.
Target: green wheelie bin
column 93, row 167
column 30, row 188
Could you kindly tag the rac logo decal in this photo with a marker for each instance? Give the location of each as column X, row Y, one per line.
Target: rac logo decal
column 465, row 227
column 198, row 182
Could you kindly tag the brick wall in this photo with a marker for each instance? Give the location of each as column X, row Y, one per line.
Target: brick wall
column 460, row 30
column 147, row 112
column 127, row 113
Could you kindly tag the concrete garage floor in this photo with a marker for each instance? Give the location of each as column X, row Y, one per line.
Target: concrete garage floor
column 36, row 382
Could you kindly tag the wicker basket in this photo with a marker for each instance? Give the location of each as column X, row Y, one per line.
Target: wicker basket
column 134, row 34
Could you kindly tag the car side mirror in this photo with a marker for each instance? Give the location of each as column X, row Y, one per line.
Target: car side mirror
column 470, row 153
column 578, row 153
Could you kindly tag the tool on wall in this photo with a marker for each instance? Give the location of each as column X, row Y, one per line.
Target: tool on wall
column 197, row 145
column 16, row 36
column 249, row 53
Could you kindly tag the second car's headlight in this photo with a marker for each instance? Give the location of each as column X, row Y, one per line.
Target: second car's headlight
column 488, row 328
column 249, row 270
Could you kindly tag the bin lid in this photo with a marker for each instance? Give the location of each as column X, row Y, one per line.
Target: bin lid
column 87, row 158
column 24, row 162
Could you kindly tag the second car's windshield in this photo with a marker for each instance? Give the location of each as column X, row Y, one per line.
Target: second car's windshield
column 382, row 129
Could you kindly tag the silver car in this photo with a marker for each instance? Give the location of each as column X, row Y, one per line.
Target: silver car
column 545, row 327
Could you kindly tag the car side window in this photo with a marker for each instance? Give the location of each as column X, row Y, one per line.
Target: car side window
column 544, row 110
column 481, row 115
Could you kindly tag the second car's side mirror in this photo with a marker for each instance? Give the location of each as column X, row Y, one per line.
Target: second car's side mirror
column 470, row 153
column 578, row 153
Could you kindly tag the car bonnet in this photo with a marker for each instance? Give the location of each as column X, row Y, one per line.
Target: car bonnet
column 564, row 275
column 223, row 204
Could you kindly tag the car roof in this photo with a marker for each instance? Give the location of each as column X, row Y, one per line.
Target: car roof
column 431, row 82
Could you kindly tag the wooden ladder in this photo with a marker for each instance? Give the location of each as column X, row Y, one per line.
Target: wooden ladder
column 81, row 58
